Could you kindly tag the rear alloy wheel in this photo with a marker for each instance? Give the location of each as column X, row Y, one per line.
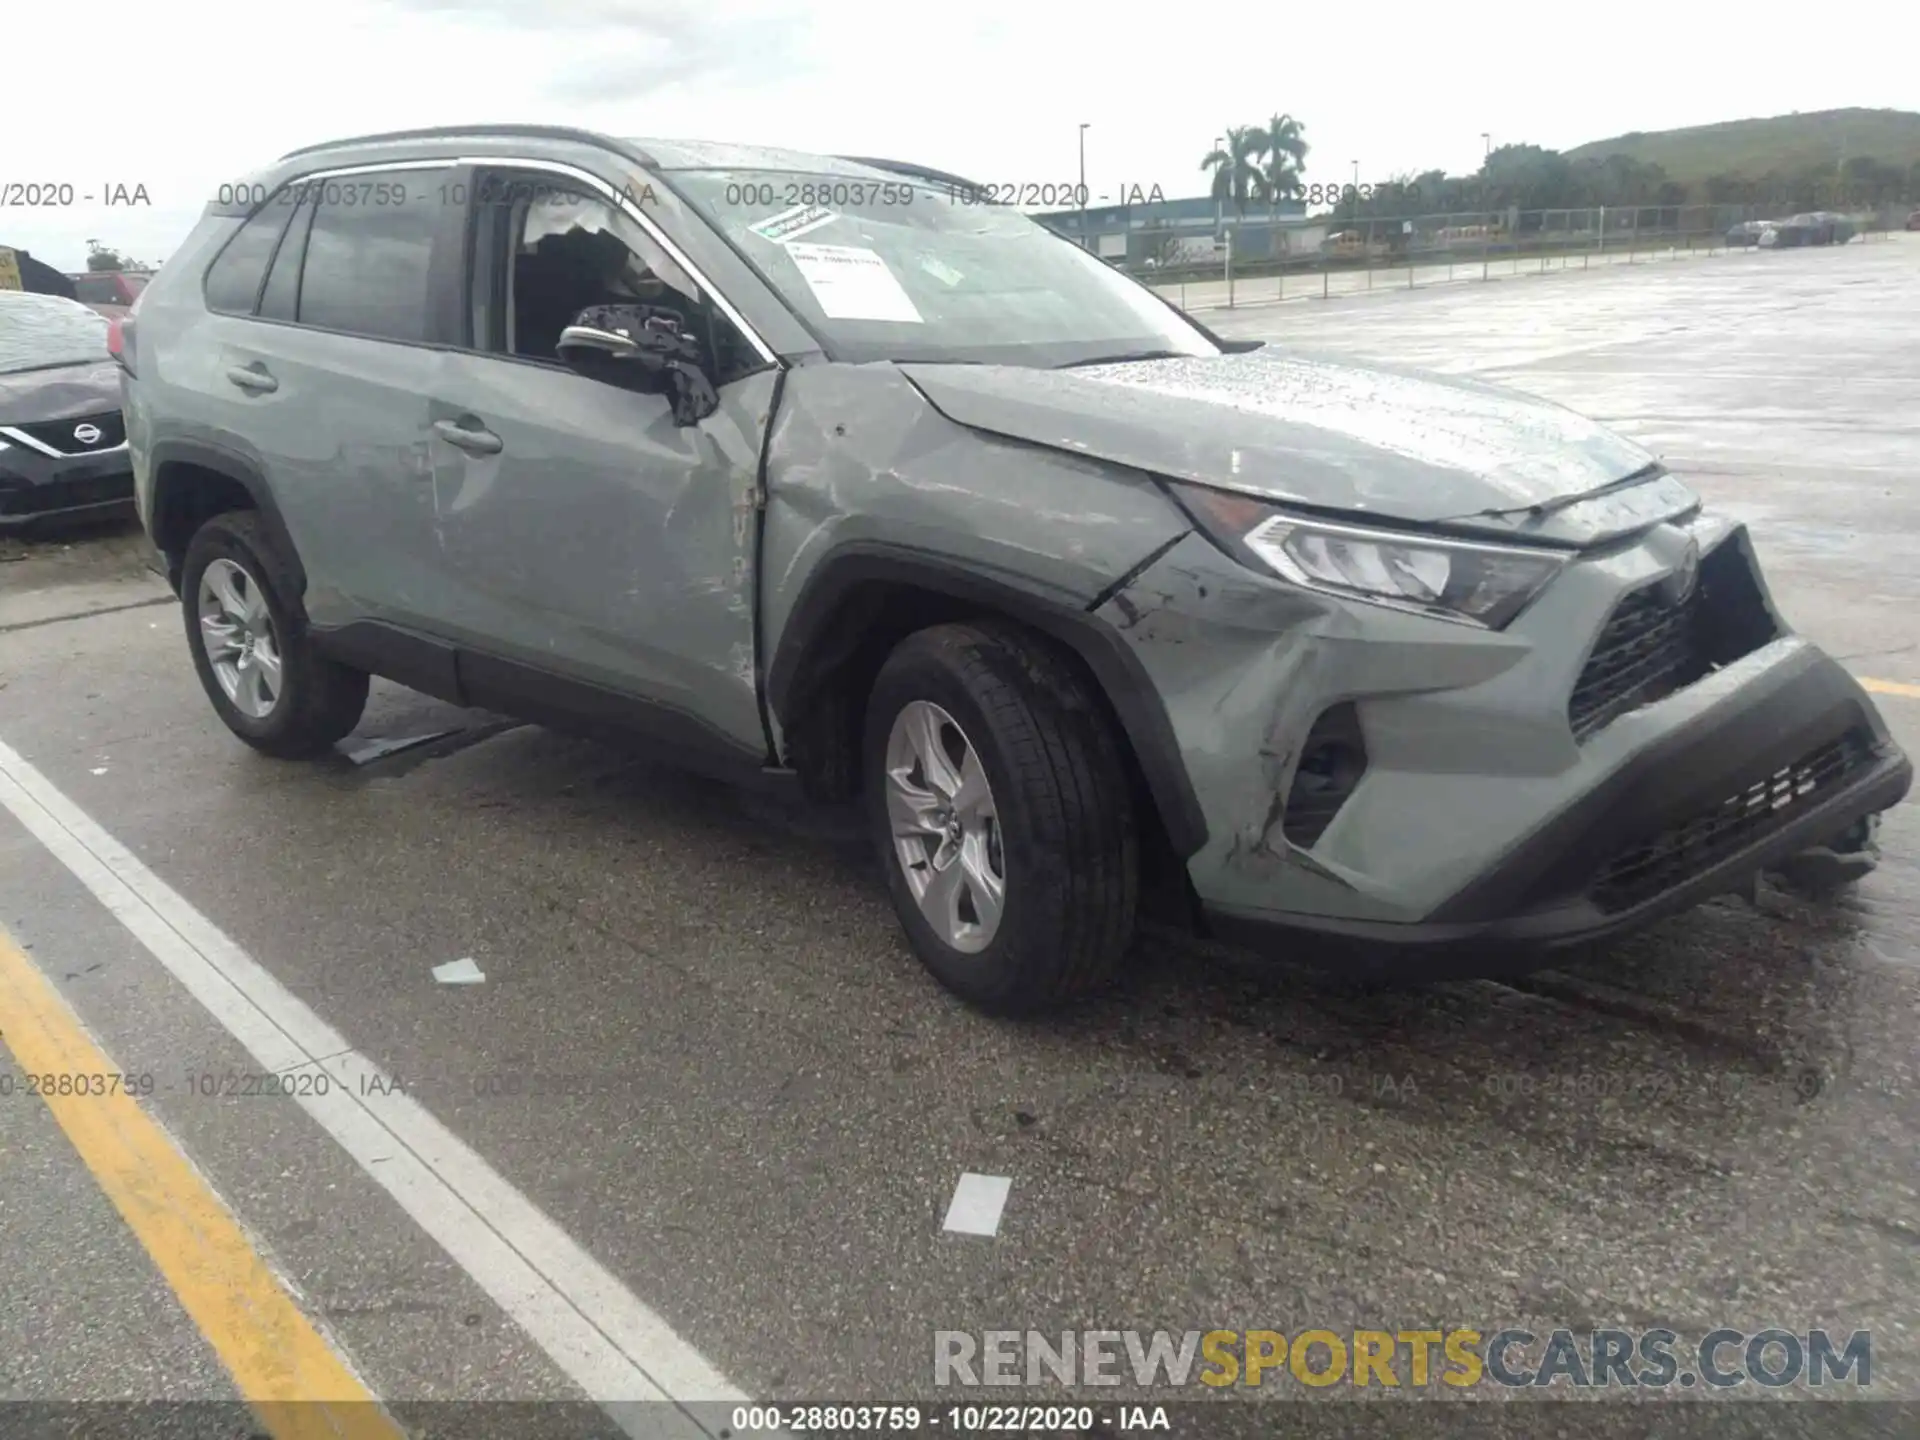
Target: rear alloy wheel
column 250, row 646
column 238, row 634
column 1002, row 815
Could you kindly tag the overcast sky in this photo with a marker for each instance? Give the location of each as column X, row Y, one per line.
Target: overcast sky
column 197, row 91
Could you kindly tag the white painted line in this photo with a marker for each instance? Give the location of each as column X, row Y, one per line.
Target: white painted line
column 588, row 1323
column 976, row 1204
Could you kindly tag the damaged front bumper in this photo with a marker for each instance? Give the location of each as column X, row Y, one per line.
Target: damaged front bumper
column 1762, row 783
column 1496, row 819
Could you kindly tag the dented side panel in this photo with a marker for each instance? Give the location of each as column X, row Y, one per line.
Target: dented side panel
column 858, row 457
column 605, row 542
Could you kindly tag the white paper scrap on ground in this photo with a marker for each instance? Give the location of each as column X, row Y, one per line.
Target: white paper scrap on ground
column 853, row 283
column 458, row 972
column 976, row 1204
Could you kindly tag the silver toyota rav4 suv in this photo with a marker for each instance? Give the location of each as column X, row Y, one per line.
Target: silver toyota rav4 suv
column 824, row 472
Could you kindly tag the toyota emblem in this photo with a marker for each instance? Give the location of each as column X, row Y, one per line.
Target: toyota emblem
column 87, row 434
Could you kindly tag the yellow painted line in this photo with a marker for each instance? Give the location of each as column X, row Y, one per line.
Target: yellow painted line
column 1890, row 687
column 296, row 1384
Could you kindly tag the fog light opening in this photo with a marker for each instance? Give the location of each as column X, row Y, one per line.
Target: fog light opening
column 1332, row 762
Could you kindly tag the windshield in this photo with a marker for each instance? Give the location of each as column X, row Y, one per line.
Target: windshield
column 38, row 332
column 886, row 269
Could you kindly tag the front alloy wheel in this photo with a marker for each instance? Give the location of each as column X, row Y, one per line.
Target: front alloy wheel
column 1002, row 813
column 241, row 645
column 946, row 831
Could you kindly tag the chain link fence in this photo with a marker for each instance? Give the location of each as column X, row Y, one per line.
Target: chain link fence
column 1255, row 261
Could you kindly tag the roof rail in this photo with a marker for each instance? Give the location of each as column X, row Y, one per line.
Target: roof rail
column 448, row 132
column 917, row 172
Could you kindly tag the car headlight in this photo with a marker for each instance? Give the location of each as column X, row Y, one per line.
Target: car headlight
column 1470, row 582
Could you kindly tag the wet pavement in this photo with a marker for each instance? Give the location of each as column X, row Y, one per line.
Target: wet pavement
column 702, row 1049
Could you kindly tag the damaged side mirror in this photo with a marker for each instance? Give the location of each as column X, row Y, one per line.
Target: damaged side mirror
column 645, row 349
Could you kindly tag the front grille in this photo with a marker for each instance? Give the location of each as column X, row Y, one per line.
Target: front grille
column 1648, row 650
column 58, row 434
column 1711, row 834
column 1651, row 647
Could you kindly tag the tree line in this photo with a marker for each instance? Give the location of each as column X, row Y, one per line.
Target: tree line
column 1258, row 166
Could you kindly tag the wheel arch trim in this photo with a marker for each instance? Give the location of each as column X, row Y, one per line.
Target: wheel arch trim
column 245, row 471
column 808, row 636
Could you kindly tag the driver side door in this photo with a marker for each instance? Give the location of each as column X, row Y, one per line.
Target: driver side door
column 601, row 554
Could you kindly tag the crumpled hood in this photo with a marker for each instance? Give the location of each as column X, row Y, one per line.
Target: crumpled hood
column 69, row 391
column 1332, row 434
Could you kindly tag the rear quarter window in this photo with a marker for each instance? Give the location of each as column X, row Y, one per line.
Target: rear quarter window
column 237, row 273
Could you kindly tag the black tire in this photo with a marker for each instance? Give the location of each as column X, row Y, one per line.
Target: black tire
column 1064, row 804
column 320, row 701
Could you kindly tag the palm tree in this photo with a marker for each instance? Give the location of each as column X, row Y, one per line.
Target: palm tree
column 1285, row 147
column 1236, row 169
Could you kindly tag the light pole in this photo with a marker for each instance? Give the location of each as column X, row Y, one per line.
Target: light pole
column 1486, row 198
column 1083, row 186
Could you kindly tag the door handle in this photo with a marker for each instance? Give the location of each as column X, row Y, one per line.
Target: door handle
column 248, row 378
column 474, row 442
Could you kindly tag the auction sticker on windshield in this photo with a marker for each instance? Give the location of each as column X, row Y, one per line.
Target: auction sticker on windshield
column 851, row 283
column 940, row 270
column 792, row 224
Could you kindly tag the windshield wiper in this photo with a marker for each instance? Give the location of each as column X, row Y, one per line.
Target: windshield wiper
column 1125, row 357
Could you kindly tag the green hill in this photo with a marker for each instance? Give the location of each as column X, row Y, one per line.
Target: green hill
column 1779, row 145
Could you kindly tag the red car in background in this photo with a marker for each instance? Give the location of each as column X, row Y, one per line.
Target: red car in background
column 109, row 291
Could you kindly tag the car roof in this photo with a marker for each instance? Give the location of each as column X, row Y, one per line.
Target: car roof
column 49, row 302
column 451, row 143
column 656, row 153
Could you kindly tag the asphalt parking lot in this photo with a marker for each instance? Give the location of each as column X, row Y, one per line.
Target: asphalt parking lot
column 702, row 1052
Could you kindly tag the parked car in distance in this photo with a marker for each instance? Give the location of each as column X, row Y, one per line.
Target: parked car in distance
column 1817, row 227
column 63, row 445
column 1353, row 245
column 737, row 452
column 1913, row 220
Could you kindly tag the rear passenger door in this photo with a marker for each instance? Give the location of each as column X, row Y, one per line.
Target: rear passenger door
column 334, row 313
